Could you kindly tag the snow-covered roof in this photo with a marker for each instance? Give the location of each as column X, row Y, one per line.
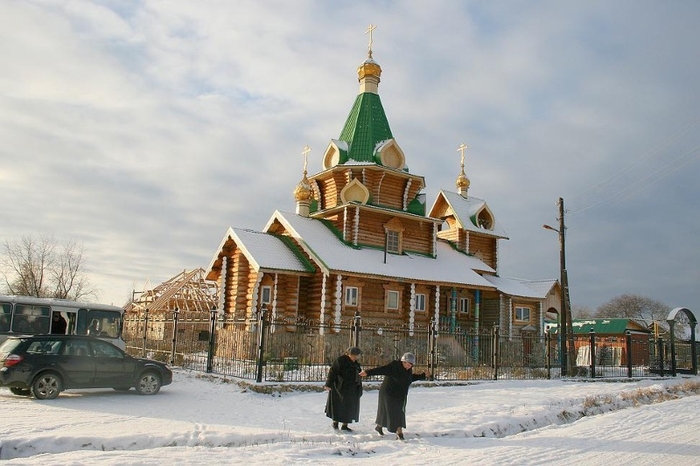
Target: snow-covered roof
column 332, row 254
column 515, row 287
column 465, row 208
column 541, row 287
column 263, row 251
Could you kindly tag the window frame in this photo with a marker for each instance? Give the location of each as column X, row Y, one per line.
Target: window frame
column 263, row 290
column 422, row 299
column 464, row 309
column 518, row 316
column 393, row 241
column 388, row 300
column 351, row 296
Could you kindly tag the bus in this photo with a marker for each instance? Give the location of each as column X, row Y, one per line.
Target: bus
column 26, row 315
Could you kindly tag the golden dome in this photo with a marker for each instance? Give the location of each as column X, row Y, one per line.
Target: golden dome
column 303, row 190
column 369, row 68
column 462, row 182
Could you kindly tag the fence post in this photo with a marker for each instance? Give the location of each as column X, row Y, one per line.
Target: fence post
column 145, row 332
column 495, row 346
column 176, row 313
column 673, row 348
column 212, row 339
column 263, row 324
column 628, row 336
column 432, row 344
column 660, row 354
column 356, row 329
column 548, row 352
column 592, row 343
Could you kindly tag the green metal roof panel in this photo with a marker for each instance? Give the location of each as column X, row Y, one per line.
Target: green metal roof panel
column 365, row 127
column 612, row 326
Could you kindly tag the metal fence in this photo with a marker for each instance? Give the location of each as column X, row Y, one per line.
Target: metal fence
column 283, row 351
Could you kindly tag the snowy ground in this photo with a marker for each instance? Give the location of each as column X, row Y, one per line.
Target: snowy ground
column 209, row 420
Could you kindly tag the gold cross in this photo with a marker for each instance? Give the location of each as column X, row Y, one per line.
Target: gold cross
column 462, row 147
column 369, row 31
column 305, row 153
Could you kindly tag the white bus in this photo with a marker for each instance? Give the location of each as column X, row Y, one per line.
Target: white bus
column 26, row 315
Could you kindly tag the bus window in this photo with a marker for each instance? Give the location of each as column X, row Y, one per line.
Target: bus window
column 103, row 324
column 31, row 319
column 5, row 316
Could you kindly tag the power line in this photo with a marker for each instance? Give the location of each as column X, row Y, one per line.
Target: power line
column 607, row 183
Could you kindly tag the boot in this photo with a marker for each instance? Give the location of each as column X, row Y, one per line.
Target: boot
column 379, row 429
column 399, row 434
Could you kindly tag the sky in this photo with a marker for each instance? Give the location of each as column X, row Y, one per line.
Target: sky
column 143, row 130
column 204, row 420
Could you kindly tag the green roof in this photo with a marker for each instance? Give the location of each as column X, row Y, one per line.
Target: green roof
column 613, row 326
column 365, row 127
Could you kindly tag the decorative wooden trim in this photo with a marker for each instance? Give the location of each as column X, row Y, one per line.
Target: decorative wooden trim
column 339, row 300
column 322, row 316
column 356, row 226
column 405, row 193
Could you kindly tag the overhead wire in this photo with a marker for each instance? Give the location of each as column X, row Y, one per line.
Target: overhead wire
column 600, row 187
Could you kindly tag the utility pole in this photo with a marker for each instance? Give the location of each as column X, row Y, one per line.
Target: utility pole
column 566, row 334
column 566, row 301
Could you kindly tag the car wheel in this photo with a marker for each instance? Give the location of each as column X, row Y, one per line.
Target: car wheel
column 149, row 384
column 47, row 386
column 21, row 391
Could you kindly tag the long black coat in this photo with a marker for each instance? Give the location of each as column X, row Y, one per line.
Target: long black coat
column 343, row 404
column 391, row 409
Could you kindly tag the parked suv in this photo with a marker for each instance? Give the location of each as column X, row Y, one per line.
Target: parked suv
column 45, row 365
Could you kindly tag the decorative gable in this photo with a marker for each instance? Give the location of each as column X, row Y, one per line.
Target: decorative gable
column 354, row 192
column 389, row 154
column 483, row 218
column 336, row 153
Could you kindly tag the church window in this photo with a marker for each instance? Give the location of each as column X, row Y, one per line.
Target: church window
column 464, row 306
column 351, row 295
column 420, row 302
column 266, row 294
column 392, row 300
column 393, row 240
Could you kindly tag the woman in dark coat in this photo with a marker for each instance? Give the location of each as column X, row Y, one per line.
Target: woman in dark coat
column 344, row 387
column 393, row 393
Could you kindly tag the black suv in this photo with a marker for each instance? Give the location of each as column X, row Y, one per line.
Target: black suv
column 45, row 365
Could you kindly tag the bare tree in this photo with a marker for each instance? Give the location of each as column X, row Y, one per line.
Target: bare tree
column 582, row 312
column 37, row 267
column 634, row 307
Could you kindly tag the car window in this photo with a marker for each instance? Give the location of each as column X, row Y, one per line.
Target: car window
column 9, row 345
column 44, row 347
column 77, row 348
column 102, row 349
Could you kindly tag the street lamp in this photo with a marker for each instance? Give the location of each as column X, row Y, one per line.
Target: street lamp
column 563, row 281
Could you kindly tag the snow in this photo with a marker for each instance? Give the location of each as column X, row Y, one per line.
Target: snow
column 202, row 419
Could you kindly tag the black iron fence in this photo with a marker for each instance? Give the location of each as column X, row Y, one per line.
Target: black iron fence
column 272, row 350
column 631, row 355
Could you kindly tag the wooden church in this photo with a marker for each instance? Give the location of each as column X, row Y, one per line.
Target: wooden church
column 361, row 242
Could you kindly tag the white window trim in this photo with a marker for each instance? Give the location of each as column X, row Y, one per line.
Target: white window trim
column 351, row 296
column 462, row 306
column 423, row 299
column 263, row 289
column 520, row 319
column 388, row 300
